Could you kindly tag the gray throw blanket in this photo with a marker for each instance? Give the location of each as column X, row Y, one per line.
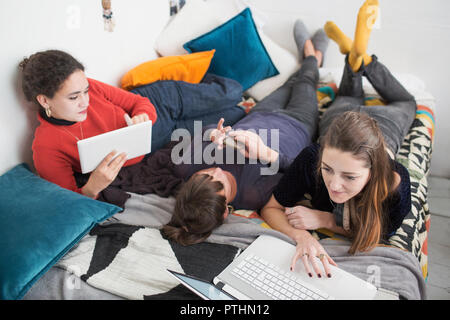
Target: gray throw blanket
column 385, row 267
column 126, row 256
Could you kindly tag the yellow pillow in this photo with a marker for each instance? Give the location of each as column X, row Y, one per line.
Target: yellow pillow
column 189, row 67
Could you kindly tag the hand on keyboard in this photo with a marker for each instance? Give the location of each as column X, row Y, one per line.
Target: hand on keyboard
column 273, row 282
column 308, row 249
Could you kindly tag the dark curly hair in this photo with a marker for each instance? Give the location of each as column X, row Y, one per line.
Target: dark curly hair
column 44, row 72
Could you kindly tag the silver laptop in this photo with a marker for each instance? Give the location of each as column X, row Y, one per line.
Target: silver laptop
column 135, row 140
column 262, row 272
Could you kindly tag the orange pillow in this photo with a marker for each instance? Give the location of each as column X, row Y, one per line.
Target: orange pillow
column 189, row 67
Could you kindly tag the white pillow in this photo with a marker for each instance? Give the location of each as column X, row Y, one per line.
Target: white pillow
column 284, row 61
column 196, row 18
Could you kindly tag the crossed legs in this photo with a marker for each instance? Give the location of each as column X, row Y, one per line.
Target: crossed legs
column 395, row 118
column 357, row 48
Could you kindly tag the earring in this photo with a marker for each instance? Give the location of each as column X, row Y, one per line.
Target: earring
column 48, row 112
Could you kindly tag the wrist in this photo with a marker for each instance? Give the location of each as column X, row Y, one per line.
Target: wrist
column 329, row 221
column 88, row 192
column 299, row 235
column 274, row 156
column 271, row 155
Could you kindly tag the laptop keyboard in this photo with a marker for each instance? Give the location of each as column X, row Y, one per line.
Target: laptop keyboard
column 274, row 282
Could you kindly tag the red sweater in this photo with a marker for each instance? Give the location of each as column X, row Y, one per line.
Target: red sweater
column 55, row 152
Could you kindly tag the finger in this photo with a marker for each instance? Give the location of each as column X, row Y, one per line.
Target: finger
column 220, row 141
column 139, row 119
column 243, row 140
column 220, row 123
column 306, row 264
column 118, row 162
column 292, row 219
column 213, row 134
column 294, row 259
column 296, row 224
column 326, row 266
column 128, row 119
column 108, row 158
column 289, row 211
column 237, row 133
column 331, row 261
column 122, row 162
column 315, row 265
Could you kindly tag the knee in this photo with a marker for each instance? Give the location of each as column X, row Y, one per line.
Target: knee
column 309, row 76
column 411, row 108
column 228, row 86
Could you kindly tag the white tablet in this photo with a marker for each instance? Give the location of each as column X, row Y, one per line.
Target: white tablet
column 134, row 140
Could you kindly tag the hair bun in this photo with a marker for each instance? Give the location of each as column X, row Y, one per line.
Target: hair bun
column 23, row 64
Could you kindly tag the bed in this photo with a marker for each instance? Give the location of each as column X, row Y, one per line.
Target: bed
column 117, row 255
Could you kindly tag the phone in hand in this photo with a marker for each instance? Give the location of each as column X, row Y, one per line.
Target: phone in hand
column 231, row 142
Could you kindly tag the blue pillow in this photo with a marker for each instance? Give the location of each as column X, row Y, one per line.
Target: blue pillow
column 39, row 223
column 240, row 54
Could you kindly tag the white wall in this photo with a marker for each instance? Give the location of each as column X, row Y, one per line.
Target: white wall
column 413, row 36
column 76, row 26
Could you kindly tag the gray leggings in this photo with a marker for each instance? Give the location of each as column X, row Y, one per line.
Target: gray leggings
column 394, row 119
column 297, row 97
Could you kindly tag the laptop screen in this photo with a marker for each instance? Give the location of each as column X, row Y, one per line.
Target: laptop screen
column 202, row 288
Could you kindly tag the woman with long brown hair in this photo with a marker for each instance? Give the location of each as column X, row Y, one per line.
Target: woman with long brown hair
column 354, row 185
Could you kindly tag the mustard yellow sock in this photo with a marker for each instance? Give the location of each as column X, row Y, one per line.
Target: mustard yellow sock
column 345, row 43
column 367, row 16
column 334, row 33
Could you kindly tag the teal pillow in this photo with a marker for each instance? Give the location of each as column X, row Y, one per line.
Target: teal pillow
column 39, row 223
column 240, row 54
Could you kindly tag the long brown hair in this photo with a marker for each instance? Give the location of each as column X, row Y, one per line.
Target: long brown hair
column 359, row 134
column 198, row 210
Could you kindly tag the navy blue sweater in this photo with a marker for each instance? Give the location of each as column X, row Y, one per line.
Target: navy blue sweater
column 301, row 179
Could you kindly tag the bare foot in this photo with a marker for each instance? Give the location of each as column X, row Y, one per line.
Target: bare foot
column 309, row 50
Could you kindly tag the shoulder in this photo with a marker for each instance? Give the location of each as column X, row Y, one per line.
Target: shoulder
column 400, row 200
column 401, row 176
column 397, row 181
column 96, row 83
column 97, row 86
column 102, row 87
column 46, row 135
column 303, row 168
column 309, row 155
column 401, row 190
